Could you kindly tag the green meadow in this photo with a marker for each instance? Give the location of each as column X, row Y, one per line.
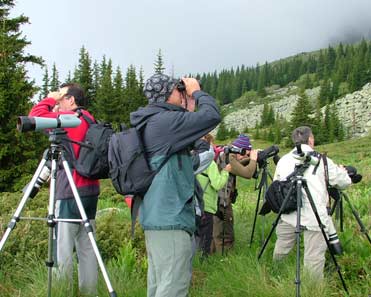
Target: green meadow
column 238, row 273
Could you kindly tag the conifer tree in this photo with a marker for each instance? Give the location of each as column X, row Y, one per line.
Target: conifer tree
column 270, row 136
column 69, row 78
column 277, row 133
column 222, row 133
column 271, row 116
column 159, row 63
column 133, row 92
column 264, row 116
column 317, row 128
column 104, row 106
column 339, row 132
column 96, row 80
column 45, row 86
column 54, row 81
column 325, row 92
column 300, row 116
column 19, row 153
column 257, row 131
column 328, row 125
column 84, row 76
column 118, row 97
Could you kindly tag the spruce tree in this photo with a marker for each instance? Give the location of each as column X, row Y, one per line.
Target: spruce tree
column 84, row 76
column 328, row 127
column 118, row 97
column 68, row 78
column 133, row 91
column 159, row 63
column 104, row 105
column 300, row 116
column 54, row 80
column 45, row 86
column 277, row 133
column 19, row 153
column 222, row 133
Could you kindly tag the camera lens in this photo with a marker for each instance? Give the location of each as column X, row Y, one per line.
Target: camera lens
column 42, row 178
column 335, row 244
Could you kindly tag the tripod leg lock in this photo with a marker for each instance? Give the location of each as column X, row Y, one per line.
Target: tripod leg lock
column 49, row 263
column 51, row 221
column 13, row 223
column 88, row 226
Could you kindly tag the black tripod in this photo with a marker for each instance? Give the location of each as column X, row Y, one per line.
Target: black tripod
column 54, row 154
column 262, row 187
column 299, row 183
column 338, row 207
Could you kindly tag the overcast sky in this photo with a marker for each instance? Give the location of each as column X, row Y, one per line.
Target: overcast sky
column 195, row 36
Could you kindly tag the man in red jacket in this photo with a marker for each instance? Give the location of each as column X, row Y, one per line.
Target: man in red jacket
column 67, row 100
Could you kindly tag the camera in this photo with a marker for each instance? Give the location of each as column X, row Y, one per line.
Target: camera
column 41, row 179
column 234, row 150
column 267, row 153
column 352, row 173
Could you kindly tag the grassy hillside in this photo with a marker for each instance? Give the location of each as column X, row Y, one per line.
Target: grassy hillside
column 23, row 273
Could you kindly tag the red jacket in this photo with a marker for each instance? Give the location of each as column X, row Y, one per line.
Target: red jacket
column 85, row 186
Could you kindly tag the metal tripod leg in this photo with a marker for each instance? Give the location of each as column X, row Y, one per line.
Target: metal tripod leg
column 321, row 226
column 275, row 223
column 224, row 217
column 357, row 217
column 88, row 227
column 256, row 214
column 26, row 196
column 263, row 186
column 298, row 229
column 50, row 220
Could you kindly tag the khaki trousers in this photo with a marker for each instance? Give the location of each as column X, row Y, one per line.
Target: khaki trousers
column 169, row 262
column 218, row 227
column 70, row 235
column 314, row 247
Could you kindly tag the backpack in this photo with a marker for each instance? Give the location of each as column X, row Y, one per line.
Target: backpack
column 93, row 158
column 276, row 194
column 129, row 168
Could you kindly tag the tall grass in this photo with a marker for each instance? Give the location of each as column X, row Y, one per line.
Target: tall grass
column 238, row 273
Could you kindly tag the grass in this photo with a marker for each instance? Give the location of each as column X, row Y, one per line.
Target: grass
column 239, row 273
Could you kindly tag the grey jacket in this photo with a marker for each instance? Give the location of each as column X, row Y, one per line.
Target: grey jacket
column 171, row 130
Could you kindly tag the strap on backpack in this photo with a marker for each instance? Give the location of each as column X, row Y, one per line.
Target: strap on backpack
column 137, row 199
column 90, row 122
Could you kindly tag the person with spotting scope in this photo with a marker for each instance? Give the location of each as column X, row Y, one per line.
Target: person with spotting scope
column 67, row 100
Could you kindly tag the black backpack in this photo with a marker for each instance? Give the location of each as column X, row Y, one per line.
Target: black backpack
column 93, row 158
column 128, row 165
column 129, row 169
column 276, row 194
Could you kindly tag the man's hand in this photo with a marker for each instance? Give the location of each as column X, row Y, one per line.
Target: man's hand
column 191, row 85
column 55, row 95
column 254, row 155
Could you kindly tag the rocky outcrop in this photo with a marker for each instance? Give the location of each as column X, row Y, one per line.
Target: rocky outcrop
column 354, row 109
